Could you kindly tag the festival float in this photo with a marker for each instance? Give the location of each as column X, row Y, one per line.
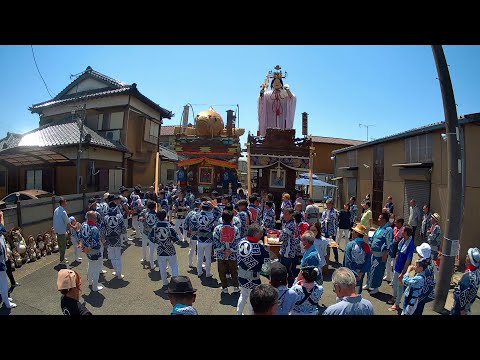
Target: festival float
column 211, row 150
column 275, row 155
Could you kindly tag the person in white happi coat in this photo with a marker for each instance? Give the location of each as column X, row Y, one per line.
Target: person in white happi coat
column 149, row 218
column 112, row 228
column 192, row 237
column 164, row 235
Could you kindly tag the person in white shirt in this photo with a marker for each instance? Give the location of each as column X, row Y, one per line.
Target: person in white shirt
column 60, row 224
column 415, row 217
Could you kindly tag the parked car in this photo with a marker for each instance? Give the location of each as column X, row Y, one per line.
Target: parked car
column 13, row 198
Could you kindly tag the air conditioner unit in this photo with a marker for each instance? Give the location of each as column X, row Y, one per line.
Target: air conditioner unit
column 113, row 135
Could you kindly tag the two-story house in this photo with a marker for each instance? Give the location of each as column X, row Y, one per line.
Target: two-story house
column 120, row 125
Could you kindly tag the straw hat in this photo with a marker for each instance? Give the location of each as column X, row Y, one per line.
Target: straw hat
column 436, row 217
column 361, row 229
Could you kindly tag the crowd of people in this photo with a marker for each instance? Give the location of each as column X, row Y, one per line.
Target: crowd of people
column 230, row 229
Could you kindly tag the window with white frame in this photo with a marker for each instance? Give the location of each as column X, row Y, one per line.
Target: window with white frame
column 418, row 149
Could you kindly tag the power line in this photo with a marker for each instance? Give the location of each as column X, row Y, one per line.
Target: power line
column 40, row 72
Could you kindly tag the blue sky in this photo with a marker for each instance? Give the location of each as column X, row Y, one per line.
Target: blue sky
column 393, row 88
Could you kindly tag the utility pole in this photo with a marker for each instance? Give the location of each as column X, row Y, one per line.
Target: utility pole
column 453, row 219
column 82, row 120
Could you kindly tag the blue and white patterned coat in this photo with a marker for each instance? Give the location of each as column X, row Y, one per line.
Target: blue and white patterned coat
column 181, row 208
column 3, row 254
column 412, row 292
column 268, row 220
column 164, row 204
column 180, row 309
column 220, row 246
column 164, row 235
column 187, row 224
column 250, row 257
column 244, row 218
column 149, row 220
column 466, row 291
column 287, row 237
column 353, row 213
column 329, row 227
column 103, row 208
column 310, row 305
column 90, row 236
column 203, row 224
column 113, row 226
column 134, row 201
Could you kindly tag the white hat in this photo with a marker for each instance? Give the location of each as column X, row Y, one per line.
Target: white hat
column 474, row 255
column 424, row 250
column 71, row 218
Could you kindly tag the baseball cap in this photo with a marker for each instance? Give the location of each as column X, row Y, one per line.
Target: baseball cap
column 67, row 279
column 71, row 218
column 278, row 271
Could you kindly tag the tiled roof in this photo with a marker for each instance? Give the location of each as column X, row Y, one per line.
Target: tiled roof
column 112, row 87
column 65, row 133
column 11, row 140
column 413, row 132
column 81, row 96
column 339, row 141
column 170, row 155
column 167, row 130
column 89, row 72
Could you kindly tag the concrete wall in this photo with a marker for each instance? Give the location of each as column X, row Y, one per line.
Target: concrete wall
column 36, row 215
column 365, row 183
column 164, row 166
column 394, row 153
column 322, row 162
column 10, row 217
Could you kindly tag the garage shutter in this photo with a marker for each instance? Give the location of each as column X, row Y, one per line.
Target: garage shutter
column 420, row 191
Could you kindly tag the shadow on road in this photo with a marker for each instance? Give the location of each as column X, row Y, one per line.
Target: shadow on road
column 209, row 282
column 5, row 311
column 382, row 296
column 229, row 299
column 94, row 298
column 154, row 275
column 116, row 283
column 162, row 292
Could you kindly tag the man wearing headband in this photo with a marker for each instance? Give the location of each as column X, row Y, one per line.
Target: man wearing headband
column 466, row 291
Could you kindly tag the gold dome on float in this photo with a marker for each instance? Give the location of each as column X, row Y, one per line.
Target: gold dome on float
column 209, row 123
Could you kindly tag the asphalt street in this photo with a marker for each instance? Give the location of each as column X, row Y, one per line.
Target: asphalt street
column 141, row 291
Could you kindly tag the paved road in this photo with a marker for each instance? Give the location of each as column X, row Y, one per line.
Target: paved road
column 141, row 292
